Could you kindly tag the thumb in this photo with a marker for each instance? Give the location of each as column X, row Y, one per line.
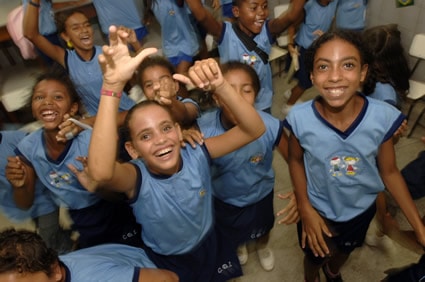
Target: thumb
column 145, row 53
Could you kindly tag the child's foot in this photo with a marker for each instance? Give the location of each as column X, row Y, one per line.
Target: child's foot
column 266, row 257
column 242, row 254
column 331, row 277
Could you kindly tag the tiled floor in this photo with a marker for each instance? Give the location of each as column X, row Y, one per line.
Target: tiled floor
column 366, row 263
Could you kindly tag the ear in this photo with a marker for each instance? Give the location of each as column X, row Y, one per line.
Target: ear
column 235, row 11
column 74, row 109
column 176, row 85
column 312, row 77
column 130, row 150
column 64, row 36
column 363, row 72
column 57, row 273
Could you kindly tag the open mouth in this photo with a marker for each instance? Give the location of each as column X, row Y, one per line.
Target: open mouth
column 163, row 152
column 49, row 115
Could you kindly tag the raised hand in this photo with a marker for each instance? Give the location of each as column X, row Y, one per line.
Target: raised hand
column 16, row 172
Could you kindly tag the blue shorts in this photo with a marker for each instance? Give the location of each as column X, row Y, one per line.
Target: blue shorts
column 302, row 75
column 227, row 10
column 202, row 264
column 141, row 32
column 242, row 224
column 175, row 61
column 347, row 235
column 106, row 222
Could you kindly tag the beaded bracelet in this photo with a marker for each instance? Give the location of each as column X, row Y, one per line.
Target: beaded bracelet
column 110, row 93
column 34, row 4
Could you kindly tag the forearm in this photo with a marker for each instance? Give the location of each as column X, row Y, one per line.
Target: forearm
column 23, row 197
column 248, row 120
column 30, row 22
column 104, row 140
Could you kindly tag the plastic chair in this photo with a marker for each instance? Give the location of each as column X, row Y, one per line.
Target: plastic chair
column 279, row 51
column 417, row 88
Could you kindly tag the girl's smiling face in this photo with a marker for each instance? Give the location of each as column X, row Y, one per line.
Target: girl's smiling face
column 50, row 101
column 338, row 72
column 155, row 138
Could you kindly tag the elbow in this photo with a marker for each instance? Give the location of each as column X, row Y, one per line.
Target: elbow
column 100, row 175
column 29, row 35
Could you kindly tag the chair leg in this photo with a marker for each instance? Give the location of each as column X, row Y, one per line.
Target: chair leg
column 416, row 121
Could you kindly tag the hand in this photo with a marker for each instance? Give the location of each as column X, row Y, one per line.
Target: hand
column 132, row 38
column 165, row 91
column 205, row 74
column 193, row 137
column 68, row 130
column 116, row 63
column 16, row 172
column 82, row 175
column 318, row 32
column 313, row 228
column 291, row 209
column 401, row 130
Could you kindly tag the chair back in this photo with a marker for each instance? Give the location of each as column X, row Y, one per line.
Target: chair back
column 417, row 48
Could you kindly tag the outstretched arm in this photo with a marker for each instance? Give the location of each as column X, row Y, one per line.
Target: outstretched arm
column 207, row 74
column 202, row 15
column 294, row 14
column 30, row 29
column 117, row 67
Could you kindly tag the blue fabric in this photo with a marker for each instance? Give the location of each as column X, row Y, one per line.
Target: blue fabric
column 43, row 203
column 232, row 49
column 87, row 79
column 46, row 18
column 342, row 175
column 385, row 92
column 109, row 262
column 175, row 211
column 351, row 14
column 317, row 17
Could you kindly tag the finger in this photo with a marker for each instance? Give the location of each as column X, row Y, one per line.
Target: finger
column 184, row 79
column 73, row 169
column 113, row 37
column 197, row 76
column 303, row 238
column 145, row 53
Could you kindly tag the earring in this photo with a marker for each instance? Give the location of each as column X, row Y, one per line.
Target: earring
column 69, row 44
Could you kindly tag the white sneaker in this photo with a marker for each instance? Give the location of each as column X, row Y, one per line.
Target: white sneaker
column 242, row 254
column 266, row 257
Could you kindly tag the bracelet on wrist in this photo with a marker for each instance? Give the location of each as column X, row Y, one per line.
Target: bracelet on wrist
column 110, row 93
column 37, row 5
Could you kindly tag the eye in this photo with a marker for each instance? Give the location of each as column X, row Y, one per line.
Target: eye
column 148, row 85
column 349, row 65
column 59, row 97
column 322, row 67
column 145, row 137
column 37, row 98
column 167, row 128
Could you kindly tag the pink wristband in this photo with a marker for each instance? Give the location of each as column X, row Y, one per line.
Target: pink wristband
column 110, row 93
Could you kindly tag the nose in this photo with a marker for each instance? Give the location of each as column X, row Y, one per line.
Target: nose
column 334, row 74
column 48, row 101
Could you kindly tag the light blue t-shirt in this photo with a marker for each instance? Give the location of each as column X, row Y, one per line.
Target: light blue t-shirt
column 231, row 48
column 180, row 35
column 245, row 176
column 343, row 179
column 351, row 14
column 43, row 203
column 87, row 79
column 54, row 174
column 317, row 17
column 175, row 211
column 385, row 92
column 108, row 262
column 113, row 12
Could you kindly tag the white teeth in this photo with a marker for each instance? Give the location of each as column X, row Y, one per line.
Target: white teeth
column 336, row 91
column 163, row 152
column 46, row 113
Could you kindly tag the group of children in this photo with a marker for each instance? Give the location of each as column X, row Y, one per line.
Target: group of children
column 190, row 207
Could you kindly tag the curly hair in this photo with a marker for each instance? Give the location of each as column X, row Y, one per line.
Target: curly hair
column 352, row 37
column 389, row 64
column 25, row 252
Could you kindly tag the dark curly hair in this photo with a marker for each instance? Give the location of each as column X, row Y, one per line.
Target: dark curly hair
column 389, row 64
column 236, row 65
column 25, row 252
column 352, row 37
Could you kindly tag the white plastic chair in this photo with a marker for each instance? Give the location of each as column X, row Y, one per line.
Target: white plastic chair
column 282, row 39
column 417, row 88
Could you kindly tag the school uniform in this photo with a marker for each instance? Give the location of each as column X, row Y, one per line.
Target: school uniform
column 351, row 14
column 385, row 92
column 119, row 13
column 181, row 42
column 231, row 48
column 108, row 262
column 98, row 221
column 43, row 203
column 176, row 214
column 243, row 180
column 343, row 179
column 87, row 79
